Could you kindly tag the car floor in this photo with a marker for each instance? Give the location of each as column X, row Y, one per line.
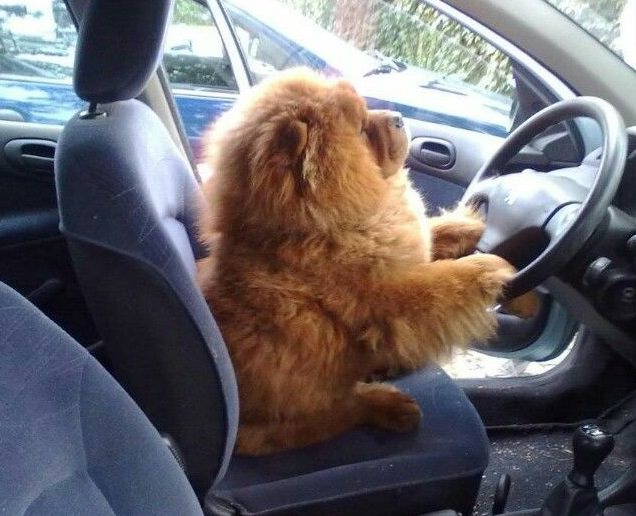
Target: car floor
column 538, row 459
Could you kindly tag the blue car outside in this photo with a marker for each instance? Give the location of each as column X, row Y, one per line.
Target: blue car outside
column 418, row 94
column 290, row 39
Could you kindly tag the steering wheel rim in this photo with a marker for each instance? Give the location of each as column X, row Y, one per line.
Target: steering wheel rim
column 579, row 220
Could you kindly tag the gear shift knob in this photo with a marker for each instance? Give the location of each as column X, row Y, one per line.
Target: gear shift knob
column 590, row 446
column 576, row 495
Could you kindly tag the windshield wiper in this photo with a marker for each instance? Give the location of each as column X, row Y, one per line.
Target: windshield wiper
column 438, row 85
column 388, row 65
column 379, row 70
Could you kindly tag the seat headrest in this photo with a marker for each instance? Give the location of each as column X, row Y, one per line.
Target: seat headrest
column 119, row 47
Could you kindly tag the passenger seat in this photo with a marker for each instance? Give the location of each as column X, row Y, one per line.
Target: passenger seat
column 72, row 442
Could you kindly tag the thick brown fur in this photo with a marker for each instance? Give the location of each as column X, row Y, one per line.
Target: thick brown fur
column 321, row 269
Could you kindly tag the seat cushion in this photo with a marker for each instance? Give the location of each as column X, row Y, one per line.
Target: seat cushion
column 71, row 440
column 371, row 471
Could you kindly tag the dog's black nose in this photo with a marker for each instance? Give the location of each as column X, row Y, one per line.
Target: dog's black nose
column 398, row 121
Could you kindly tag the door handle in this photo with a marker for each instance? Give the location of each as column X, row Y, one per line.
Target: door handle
column 433, row 152
column 31, row 155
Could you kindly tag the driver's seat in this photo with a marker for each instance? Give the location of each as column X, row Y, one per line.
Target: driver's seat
column 127, row 200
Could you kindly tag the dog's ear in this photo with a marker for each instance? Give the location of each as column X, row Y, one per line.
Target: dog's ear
column 294, row 143
column 281, row 142
column 292, row 138
column 282, row 151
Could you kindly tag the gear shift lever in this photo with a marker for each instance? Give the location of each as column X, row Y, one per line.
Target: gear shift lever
column 576, row 495
column 590, row 446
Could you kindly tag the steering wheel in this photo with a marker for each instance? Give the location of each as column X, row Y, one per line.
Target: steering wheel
column 543, row 219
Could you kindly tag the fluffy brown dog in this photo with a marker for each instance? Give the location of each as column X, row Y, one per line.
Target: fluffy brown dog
column 321, row 271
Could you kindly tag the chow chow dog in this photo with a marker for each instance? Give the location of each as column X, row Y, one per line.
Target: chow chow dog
column 323, row 268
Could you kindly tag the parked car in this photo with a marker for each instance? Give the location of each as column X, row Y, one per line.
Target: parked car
column 204, row 82
column 293, row 40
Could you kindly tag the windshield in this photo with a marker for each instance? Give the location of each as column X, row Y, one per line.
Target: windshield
column 612, row 22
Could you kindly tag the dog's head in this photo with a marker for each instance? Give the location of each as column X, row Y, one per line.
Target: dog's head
column 302, row 152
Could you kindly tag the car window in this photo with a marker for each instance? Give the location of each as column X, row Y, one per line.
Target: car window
column 401, row 55
column 199, row 69
column 195, row 57
column 37, row 47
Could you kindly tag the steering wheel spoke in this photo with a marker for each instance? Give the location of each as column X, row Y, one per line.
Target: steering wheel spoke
column 561, row 220
column 518, row 207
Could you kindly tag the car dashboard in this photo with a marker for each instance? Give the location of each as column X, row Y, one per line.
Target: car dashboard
column 599, row 284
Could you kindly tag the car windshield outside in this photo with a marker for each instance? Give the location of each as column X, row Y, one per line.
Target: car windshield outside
column 612, row 22
column 258, row 23
column 434, row 70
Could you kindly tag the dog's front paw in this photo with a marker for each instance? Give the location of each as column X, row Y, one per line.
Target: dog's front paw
column 471, row 214
column 491, row 274
column 456, row 233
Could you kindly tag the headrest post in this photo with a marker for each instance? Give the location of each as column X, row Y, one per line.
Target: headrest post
column 92, row 112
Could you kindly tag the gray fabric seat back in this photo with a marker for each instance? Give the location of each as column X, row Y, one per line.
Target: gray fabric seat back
column 71, row 440
column 128, row 204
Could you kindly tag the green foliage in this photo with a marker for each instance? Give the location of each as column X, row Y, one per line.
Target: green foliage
column 422, row 36
column 190, row 13
column 419, row 35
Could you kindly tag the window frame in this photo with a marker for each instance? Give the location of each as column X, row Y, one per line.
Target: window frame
column 220, row 22
column 232, row 46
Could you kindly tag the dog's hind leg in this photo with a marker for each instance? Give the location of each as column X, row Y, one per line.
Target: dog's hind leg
column 375, row 404
column 385, row 406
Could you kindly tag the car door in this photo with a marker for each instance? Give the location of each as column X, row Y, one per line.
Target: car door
column 460, row 95
column 36, row 99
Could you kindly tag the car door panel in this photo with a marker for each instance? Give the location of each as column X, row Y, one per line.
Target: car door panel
column 442, row 186
column 33, row 255
column 27, row 198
